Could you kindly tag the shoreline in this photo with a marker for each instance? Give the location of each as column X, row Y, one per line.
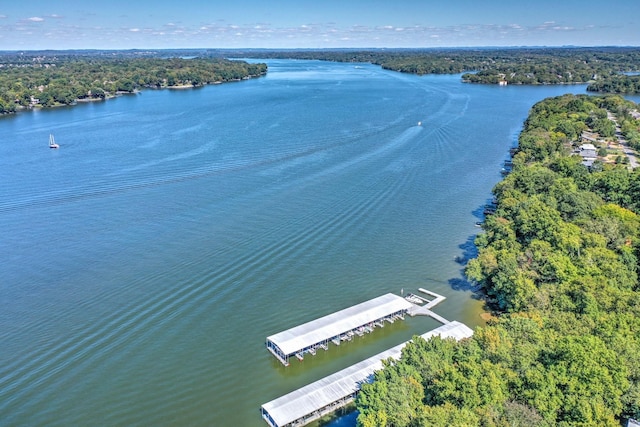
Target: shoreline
column 77, row 101
column 181, row 87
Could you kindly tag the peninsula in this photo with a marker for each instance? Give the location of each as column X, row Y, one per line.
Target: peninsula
column 48, row 79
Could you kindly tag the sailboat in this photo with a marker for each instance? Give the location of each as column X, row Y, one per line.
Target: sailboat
column 52, row 142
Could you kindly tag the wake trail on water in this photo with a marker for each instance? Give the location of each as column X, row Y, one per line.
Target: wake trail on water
column 290, row 241
column 127, row 179
column 119, row 329
column 228, row 273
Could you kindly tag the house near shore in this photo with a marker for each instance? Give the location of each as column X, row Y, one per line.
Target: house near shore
column 589, row 154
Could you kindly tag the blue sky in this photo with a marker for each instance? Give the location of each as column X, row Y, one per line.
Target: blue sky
column 120, row 24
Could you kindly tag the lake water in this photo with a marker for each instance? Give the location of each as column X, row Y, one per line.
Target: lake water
column 143, row 263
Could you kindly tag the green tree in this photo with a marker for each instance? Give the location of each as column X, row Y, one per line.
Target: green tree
column 394, row 398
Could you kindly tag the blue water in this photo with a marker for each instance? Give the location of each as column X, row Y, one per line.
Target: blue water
column 144, row 262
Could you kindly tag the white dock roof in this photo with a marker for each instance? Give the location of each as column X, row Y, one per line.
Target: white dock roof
column 322, row 329
column 304, row 401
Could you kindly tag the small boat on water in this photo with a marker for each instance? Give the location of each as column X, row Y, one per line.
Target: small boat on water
column 52, row 142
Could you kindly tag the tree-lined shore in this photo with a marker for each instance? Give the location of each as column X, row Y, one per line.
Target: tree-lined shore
column 602, row 67
column 558, row 265
column 48, row 79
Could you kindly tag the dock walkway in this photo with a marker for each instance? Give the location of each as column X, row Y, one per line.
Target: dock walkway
column 424, row 311
column 324, row 396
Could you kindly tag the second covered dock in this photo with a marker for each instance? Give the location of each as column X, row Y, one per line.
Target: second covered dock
column 324, row 396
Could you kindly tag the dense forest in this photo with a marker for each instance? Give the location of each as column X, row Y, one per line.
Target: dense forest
column 50, row 79
column 492, row 66
column 558, row 265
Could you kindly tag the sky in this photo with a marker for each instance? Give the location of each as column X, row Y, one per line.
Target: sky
column 160, row 24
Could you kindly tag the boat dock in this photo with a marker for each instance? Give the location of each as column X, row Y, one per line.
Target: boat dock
column 425, row 310
column 337, row 327
column 324, row 396
column 437, row 299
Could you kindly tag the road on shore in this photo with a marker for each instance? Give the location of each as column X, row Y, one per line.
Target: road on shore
column 633, row 161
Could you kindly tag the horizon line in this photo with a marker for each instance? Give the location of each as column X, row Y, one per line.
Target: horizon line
column 571, row 46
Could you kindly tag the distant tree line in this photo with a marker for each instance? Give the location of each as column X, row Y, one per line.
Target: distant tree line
column 616, row 84
column 48, row 80
column 558, row 265
column 492, row 66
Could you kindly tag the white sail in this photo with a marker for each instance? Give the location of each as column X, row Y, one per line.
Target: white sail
column 52, row 142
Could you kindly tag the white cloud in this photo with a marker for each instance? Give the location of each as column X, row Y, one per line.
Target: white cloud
column 311, row 34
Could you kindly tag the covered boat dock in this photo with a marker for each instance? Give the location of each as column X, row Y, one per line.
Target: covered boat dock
column 337, row 327
column 324, row 396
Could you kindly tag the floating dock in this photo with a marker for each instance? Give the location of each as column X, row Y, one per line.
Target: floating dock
column 339, row 326
column 437, row 298
column 324, row 396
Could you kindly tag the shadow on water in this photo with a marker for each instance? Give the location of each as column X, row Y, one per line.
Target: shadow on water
column 460, row 283
column 487, row 209
column 344, row 417
column 469, row 251
column 479, row 213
